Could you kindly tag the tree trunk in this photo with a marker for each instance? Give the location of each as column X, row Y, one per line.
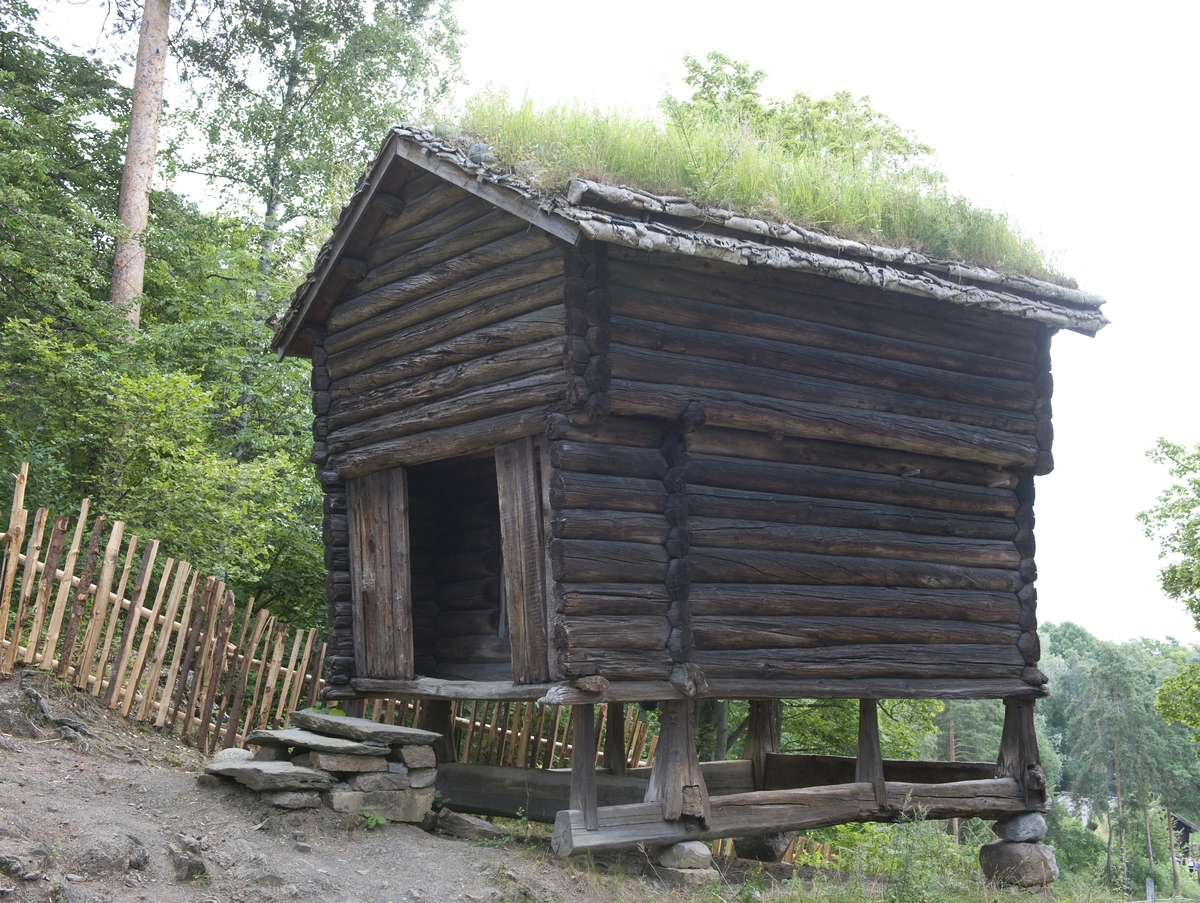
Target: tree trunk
column 1174, row 848
column 133, row 203
column 721, row 723
column 1120, row 819
column 274, row 197
column 1108, row 852
column 1149, row 843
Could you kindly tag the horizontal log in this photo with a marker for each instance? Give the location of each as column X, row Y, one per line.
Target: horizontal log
column 539, row 388
column 583, row 490
column 790, row 450
column 469, row 565
column 719, row 600
column 475, row 262
column 541, row 267
column 618, row 526
column 707, row 501
column 806, row 631
column 473, row 672
column 730, row 533
column 875, row 429
column 964, row 661
column 675, row 311
column 468, row 595
column 618, row 664
column 688, row 369
column 784, row 811
column 537, row 794
column 419, row 336
column 363, row 391
column 828, row 482
column 400, row 242
column 581, row 561
column 473, row 650
column 611, row 460
column 471, row 236
column 438, row 688
column 790, row 772
column 889, row 315
column 621, row 690
column 633, row 432
column 616, row 632
column 587, row 599
column 418, row 207
column 846, row 366
column 500, row 367
column 708, row 565
column 447, row 442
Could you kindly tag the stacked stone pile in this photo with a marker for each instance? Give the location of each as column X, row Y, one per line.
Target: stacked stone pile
column 1019, row 857
column 349, row 764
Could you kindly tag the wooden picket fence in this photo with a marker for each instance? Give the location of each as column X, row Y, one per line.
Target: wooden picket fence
column 174, row 663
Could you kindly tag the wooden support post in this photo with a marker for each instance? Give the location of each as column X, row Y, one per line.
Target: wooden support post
column 354, row 708
column 614, row 740
column 438, row 715
column 868, row 767
column 583, row 764
column 764, row 736
column 1019, row 757
column 675, row 780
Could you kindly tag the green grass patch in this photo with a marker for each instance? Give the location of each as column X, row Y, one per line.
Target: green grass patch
column 833, row 164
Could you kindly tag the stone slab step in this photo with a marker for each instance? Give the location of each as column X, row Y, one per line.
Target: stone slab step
column 337, row 746
column 363, row 730
column 271, row 776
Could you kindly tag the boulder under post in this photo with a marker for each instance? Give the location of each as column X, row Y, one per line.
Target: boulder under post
column 764, row 736
column 1017, row 856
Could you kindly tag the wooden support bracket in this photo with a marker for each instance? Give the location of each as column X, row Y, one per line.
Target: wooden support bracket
column 583, row 764
column 676, row 781
column 868, row 767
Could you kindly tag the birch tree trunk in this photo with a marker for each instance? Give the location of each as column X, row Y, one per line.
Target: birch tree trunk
column 133, row 203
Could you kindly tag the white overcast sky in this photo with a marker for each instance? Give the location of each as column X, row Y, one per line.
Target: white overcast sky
column 1078, row 119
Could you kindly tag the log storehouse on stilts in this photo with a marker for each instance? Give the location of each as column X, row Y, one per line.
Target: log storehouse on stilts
column 613, row 447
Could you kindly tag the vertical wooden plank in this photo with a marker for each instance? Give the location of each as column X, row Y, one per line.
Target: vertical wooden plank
column 466, row 756
column 239, row 693
column 118, row 600
column 180, row 632
column 289, row 674
column 583, row 764
column 298, row 681
column 129, row 690
column 133, row 617
column 32, row 551
column 554, row 655
column 675, row 778
column 537, row 735
column 523, row 546
column 522, row 751
column 599, row 731
column 314, row 686
column 85, row 585
column 868, row 767
column 234, row 665
column 764, row 735
column 58, row 535
column 164, row 640
column 614, row 740
column 220, row 653
column 1019, row 757
column 380, row 582
column 91, row 637
column 268, row 697
column 185, row 689
column 273, row 628
column 64, row 591
column 12, row 545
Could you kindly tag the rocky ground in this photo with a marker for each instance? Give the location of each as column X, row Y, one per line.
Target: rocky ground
column 95, row 809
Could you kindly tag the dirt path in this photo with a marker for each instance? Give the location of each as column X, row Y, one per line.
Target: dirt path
column 110, row 816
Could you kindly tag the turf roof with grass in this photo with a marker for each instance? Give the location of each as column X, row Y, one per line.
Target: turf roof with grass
column 834, row 164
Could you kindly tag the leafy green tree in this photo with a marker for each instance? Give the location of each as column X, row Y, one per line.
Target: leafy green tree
column 293, row 96
column 1175, row 523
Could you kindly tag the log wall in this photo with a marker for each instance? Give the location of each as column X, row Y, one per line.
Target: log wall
column 792, row 486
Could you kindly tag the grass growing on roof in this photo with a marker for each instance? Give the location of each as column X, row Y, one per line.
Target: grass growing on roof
column 833, row 164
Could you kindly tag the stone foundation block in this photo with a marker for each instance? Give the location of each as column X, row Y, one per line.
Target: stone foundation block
column 293, row 799
column 418, row 756
column 1022, row 864
column 369, row 783
column 685, row 878
column 1028, row 827
column 691, row 854
column 422, row 777
column 334, row 762
column 394, row 805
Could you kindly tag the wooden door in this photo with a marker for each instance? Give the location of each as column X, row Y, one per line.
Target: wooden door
column 380, row 578
column 523, row 546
